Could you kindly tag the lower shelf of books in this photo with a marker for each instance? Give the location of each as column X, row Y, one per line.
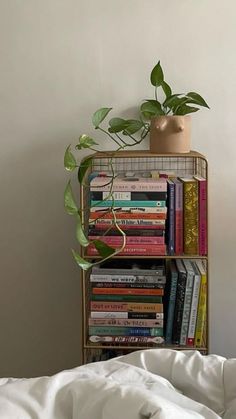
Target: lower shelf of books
column 138, row 304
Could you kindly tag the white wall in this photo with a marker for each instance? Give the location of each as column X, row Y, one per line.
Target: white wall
column 60, row 61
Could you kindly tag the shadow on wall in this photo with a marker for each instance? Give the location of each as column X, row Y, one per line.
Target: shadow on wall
column 40, row 304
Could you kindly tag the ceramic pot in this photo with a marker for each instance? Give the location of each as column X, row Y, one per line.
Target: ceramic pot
column 170, row 134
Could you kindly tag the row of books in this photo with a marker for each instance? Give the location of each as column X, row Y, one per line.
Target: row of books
column 139, row 209
column 158, row 215
column 126, row 302
column 185, row 303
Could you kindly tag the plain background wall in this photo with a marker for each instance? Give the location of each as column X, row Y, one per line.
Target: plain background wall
column 60, row 60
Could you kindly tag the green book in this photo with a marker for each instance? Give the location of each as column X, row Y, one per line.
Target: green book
column 131, row 298
column 125, row 331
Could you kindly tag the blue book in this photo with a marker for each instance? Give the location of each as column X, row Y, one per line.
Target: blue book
column 171, row 287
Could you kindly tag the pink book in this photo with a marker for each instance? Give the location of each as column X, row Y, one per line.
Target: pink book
column 138, row 249
column 202, row 213
column 118, row 240
column 128, row 184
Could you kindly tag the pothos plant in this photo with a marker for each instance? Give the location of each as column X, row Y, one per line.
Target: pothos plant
column 123, row 133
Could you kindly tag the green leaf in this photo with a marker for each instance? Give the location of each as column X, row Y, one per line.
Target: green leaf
column 151, row 108
column 185, row 109
column 99, row 116
column 117, row 125
column 84, row 165
column 171, row 101
column 80, row 235
column 157, row 76
column 198, row 100
column 133, row 125
column 69, row 202
column 69, row 160
column 166, row 89
column 103, row 249
column 84, row 264
column 85, row 142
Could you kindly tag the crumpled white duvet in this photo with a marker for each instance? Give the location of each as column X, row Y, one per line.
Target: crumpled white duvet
column 149, row 384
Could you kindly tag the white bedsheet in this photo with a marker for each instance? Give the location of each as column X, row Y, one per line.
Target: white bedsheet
column 153, row 384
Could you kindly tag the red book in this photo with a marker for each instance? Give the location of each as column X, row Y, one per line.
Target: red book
column 118, row 240
column 104, row 226
column 128, row 291
column 202, row 214
column 138, row 249
column 130, row 216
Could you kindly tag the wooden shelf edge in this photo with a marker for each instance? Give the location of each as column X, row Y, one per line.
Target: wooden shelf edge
column 160, row 346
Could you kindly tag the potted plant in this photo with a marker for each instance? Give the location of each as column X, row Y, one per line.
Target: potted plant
column 168, row 123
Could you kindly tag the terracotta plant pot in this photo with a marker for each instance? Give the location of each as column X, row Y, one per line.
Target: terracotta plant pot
column 170, row 134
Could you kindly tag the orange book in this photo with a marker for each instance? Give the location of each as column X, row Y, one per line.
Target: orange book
column 125, row 216
column 130, row 307
column 128, row 291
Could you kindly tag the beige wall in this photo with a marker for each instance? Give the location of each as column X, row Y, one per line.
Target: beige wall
column 60, row 61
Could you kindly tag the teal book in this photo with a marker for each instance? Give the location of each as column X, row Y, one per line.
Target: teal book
column 128, row 203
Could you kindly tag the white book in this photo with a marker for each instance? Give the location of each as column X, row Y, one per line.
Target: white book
column 194, row 305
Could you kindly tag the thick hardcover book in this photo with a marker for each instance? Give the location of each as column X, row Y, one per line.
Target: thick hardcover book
column 138, row 340
column 170, row 223
column 128, row 291
column 179, row 248
column 202, row 307
column 130, row 298
column 202, row 212
column 190, row 204
column 179, row 304
column 129, row 222
column 125, row 322
column 132, row 249
column 194, row 305
column 130, row 267
column 118, row 240
column 129, row 306
column 133, row 232
column 125, row 315
column 130, row 196
column 131, row 184
column 170, row 294
column 187, row 301
column 123, row 203
column 129, row 279
column 125, row 331
column 127, row 215
column 117, row 285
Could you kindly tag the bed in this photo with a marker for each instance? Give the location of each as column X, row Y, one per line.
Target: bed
column 148, row 384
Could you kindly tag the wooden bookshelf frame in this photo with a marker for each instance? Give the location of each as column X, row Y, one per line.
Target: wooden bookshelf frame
column 199, row 165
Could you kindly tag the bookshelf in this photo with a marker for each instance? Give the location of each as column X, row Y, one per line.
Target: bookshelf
column 183, row 165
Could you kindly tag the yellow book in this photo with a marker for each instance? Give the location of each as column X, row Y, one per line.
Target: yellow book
column 200, row 333
column 190, row 215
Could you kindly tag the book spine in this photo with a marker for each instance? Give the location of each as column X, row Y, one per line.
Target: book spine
column 201, row 314
column 179, row 218
column 171, row 219
column 190, row 217
column 193, row 311
column 128, row 222
column 202, row 217
column 129, row 186
column 187, row 304
column 156, row 250
column 129, row 306
column 118, row 240
column 179, row 306
column 127, row 339
column 171, row 306
column 114, row 232
column 127, row 215
column 126, row 315
column 132, row 210
column 128, row 298
column 125, row 331
column 117, row 285
column 128, row 291
column 122, row 203
column 126, row 322
column 130, row 196
column 161, row 226
column 133, row 279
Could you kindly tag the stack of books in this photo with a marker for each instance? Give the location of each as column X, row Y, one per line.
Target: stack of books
column 185, row 303
column 139, row 207
column 126, row 302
